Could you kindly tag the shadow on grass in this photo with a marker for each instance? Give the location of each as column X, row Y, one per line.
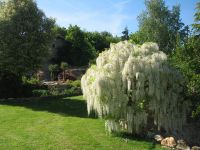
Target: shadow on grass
column 138, row 138
column 67, row 107
column 63, row 106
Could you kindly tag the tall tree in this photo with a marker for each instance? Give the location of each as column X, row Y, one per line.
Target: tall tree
column 196, row 25
column 125, row 35
column 161, row 25
column 101, row 40
column 187, row 59
column 59, row 31
column 82, row 51
column 25, row 35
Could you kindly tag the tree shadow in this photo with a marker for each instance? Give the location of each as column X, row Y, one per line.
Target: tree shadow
column 62, row 106
column 67, row 107
column 139, row 138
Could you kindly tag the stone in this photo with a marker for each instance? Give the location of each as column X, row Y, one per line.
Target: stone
column 181, row 145
column 158, row 137
column 195, row 148
column 169, row 142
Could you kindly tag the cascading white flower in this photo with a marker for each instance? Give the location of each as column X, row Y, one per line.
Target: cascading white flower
column 132, row 86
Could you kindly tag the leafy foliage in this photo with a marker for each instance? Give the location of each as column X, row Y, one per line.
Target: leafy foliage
column 63, row 66
column 70, row 88
column 187, row 59
column 101, row 40
column 53, row 68
column 79, row 45
column 25, row 35
column 82, row 51
column 40, row 92
column 10, row 85
column 76, row 83
column 161, row 25
column 196, row 25
column 59, row 31
column 33, row 80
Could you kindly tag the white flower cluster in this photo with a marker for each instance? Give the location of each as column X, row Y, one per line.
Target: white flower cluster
column 132, row 86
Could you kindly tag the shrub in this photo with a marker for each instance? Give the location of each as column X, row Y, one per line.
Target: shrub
column 76, row 83
column 31, row 80
column 10, row 85
column 41, row 92
column 32, row 87
column 71, row 88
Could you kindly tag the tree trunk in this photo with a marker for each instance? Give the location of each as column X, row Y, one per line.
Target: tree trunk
column 63, row 75
column 51, row 76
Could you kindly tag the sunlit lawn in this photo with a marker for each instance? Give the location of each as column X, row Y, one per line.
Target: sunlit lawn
column 58, row 124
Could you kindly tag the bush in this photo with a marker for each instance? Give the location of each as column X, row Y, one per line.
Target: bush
column 32, row 87
column 72, row 88
column 41, row 92
column 31, row 80
column 13, row 86
column 76, row 83
column 10, row 85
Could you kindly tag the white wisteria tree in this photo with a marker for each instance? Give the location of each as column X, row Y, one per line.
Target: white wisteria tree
column 135, row 90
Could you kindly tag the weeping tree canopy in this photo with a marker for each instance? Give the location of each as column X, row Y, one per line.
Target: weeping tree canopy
column 135, row 90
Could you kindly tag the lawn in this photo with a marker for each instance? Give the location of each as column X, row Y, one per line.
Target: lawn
column 58, row 124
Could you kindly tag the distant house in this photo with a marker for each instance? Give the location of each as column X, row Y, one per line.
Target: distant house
column 60, row 49
column 60, row 42
column 59, row 46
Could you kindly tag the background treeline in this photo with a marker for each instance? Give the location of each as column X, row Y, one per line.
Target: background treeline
column 78, row 47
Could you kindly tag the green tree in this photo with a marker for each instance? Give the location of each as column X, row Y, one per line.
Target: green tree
column 63, row 66
column 101, row 40
column 192, row 58
column 53, row 68
column 60, row 31
column 136, row 38
column 82, row 51
column 186, row 58
column 125, row 35
column 25, row 36
column 196, row 25
column 161, row 25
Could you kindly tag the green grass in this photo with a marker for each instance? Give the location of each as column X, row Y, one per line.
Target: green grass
column 57, row 125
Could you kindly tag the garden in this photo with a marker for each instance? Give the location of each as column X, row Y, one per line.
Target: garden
column 69, row 88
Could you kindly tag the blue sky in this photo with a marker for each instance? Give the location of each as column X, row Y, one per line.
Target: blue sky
column 109, row 15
